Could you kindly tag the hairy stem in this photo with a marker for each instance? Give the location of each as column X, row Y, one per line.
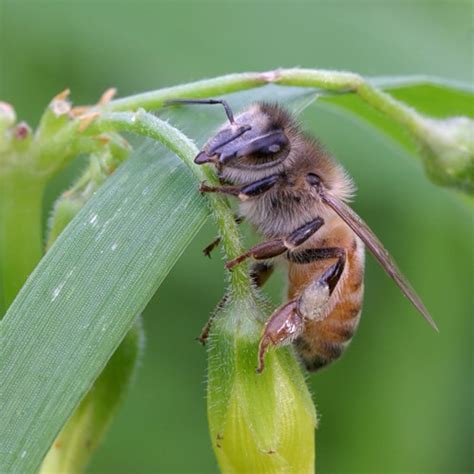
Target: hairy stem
column 334, row 81
column 447, row 147
column 145, row 124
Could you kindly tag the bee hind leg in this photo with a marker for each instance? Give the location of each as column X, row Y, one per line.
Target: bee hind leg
column 287, row 323
column 283, row 327
column 314, row 298
column 202, row 338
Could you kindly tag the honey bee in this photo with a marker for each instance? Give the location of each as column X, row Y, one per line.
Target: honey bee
column 296, row 195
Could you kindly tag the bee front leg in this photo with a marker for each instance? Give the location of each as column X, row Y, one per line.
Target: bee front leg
column 246, row 191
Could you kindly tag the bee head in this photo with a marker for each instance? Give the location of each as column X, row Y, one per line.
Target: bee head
column 255, row 139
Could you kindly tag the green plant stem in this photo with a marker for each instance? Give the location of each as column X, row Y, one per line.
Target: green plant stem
column 446, row 146
column 205, row 88
column 334, row 81
column 145, row 124
column 20, row 230
column 349, row 82
column 53, row 152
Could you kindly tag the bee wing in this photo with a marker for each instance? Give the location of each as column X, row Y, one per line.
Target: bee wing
column 378, row 251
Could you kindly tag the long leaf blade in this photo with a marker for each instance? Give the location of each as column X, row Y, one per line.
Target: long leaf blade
column 142, row 219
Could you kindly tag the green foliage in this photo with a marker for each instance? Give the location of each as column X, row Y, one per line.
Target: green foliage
column 258, row 422
column 85, row 294
column 83, row 432
column 99, row 274
column 83, row 297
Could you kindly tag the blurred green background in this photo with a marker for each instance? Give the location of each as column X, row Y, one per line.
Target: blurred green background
column 400, row 400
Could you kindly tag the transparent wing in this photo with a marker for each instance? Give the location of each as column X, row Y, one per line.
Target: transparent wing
column 378, row 251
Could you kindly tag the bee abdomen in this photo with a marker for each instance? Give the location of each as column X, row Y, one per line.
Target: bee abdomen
column 325, row 341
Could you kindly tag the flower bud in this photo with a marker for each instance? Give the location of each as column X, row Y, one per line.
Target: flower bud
column 447, row 147
column 55, row 116
column 258, row 422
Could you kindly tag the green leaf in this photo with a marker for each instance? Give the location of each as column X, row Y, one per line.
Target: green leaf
column 84, row 295
column 431, row 96
column 82, row 298
column 83, row 433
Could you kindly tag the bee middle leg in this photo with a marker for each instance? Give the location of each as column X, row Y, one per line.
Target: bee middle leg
column 288, row 321
column 259, row 274
column 273, row 248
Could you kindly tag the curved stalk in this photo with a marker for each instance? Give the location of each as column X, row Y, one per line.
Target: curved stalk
column 145, row 124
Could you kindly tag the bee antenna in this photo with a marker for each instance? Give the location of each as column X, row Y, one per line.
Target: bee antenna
column 224, row 103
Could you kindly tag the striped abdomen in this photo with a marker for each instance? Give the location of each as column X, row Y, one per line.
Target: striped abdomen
column 325, row 339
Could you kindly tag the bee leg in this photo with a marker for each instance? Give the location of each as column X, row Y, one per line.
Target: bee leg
column 225, row 189
column 259, row 273
column 313, row 301
column 208, row 249
column 288, row 321
column 283, row 327
column 202, row 338
column 243, row 192
column 215, row 243
column 273, row 248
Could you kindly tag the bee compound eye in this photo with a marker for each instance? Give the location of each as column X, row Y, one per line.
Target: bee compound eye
column 267, row 144
column 313, row 179
column 274, row 148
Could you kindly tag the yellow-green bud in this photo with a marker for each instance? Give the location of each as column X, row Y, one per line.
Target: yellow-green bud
column 258, row 422
column 448, row 150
